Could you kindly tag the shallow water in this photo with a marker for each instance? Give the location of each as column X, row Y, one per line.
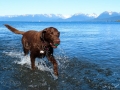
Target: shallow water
column 88, row 58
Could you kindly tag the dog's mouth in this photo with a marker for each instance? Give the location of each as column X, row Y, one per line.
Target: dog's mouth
column 54, row 45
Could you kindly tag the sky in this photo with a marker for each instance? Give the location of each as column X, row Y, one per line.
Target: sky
column 65, row 7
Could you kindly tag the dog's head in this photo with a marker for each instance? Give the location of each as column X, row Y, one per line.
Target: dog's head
column 51, row 35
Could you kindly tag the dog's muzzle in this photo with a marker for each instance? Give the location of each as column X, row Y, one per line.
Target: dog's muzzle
column 55, row 44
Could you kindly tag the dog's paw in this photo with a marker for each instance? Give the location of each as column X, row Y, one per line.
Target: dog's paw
column 34, row 68
column 55, row 73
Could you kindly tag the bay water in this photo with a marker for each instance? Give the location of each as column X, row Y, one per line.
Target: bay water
column 88, row 58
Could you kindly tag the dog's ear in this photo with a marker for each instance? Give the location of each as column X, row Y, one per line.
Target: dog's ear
column 42, row 37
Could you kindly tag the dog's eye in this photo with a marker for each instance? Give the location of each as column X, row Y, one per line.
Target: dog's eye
column 51, row 33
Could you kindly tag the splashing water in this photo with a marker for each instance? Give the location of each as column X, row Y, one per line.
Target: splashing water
column 72, row 72
column 41, row 63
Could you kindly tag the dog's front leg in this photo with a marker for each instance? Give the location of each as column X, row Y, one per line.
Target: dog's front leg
column 32, row 61
column 54, row 62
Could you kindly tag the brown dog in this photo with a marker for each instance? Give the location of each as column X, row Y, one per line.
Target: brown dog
column 40, row 44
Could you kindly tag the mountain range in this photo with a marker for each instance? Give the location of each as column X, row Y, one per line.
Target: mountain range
column 105, row 16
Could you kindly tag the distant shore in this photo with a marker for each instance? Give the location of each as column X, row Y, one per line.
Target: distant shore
column 118, row 21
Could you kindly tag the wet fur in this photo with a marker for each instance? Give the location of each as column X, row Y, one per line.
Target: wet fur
column 33, row 42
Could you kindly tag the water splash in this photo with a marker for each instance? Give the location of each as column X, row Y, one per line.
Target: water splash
column 42, row 64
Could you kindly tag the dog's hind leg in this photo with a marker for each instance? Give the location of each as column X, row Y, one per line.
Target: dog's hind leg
column 26, row 46
column 26, row 51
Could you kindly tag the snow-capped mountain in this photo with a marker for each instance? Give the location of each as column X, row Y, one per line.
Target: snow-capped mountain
column 53, row 15
column 92, row 15
column 30, row 17
column 81, row 17
column 108, row 14
column 105, row 16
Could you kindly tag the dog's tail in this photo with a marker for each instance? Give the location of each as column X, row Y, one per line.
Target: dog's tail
column 14, row 30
